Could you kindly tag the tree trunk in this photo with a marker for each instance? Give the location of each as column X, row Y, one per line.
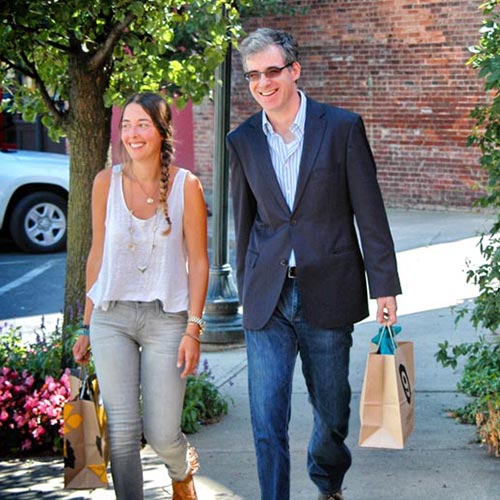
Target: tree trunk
column 88, row 155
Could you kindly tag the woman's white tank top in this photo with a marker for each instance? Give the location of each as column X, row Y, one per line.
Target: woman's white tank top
column 139, row 263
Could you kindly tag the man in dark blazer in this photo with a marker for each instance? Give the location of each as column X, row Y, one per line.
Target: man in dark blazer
column 301, row 174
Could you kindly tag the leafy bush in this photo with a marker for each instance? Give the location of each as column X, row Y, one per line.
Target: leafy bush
column 486, row 136
column 34, row 388
column 481, row 375
column 481, row 380
column 203, row 403
column 486, row 310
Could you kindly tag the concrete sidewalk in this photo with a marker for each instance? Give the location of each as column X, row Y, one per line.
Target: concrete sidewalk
column 442, row 459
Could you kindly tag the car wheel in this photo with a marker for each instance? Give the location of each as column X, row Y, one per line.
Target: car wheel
column 38, row 223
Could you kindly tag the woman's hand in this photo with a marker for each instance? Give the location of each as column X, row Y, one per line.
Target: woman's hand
column 189, row 354
column 81, row 350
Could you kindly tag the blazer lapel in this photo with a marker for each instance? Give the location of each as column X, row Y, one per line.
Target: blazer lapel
column 264, row 167
column 313, row 136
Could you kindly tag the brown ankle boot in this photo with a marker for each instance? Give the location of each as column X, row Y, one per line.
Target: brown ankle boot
column 184, row 490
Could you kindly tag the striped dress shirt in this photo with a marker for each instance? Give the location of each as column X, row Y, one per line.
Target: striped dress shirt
column 286, row 157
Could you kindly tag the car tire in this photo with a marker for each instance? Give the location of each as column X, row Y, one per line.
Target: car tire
column 39, row 222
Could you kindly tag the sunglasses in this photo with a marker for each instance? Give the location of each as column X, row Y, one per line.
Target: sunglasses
column 272, row 72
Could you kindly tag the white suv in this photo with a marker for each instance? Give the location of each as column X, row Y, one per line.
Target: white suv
column 33, row 199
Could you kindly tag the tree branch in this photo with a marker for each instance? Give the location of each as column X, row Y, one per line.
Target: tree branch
column 102, row 55
column 17, row 67
column 49, row 103
column 33, row 32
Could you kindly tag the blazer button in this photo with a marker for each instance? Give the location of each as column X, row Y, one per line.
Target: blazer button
column 283, row 262
column 293, row 222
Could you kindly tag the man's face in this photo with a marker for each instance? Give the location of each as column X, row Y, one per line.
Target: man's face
column 274, row 91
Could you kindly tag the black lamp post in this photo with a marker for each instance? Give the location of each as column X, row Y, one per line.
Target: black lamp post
column 224, row 324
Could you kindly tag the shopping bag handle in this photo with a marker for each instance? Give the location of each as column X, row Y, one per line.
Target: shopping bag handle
column 390, row 333
column 84, row 376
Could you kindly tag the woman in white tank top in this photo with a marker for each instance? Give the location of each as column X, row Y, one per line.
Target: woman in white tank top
column 147, row 276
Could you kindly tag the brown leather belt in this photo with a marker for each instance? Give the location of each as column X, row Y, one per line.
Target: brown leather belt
column 292, row 272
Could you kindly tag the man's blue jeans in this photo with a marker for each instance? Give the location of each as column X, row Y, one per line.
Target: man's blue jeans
column 272, row 353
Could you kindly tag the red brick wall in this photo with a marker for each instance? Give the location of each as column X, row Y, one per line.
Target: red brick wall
column 402, row 65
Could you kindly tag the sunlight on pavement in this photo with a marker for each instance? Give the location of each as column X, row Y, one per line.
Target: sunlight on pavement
column 434, row 277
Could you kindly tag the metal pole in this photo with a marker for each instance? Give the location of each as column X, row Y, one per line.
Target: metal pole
column 224, row 325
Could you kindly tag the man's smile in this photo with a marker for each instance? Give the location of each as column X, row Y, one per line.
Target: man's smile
column 268, row 93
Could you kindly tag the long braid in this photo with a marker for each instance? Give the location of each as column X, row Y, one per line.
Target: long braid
column 165, row 159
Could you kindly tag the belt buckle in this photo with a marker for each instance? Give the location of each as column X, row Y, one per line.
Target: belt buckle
column 291, row 273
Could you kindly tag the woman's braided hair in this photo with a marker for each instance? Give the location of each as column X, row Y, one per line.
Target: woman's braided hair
column 159, row 111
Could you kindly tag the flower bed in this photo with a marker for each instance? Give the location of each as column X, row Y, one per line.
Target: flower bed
column 31, row 414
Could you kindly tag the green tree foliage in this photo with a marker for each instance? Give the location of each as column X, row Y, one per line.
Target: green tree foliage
column 133, row 45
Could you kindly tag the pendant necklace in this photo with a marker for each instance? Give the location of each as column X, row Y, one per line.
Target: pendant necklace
column 133, row 245
column 149, row 199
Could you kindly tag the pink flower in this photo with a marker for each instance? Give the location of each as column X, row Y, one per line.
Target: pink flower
column 5, row 395
column 38, row 432
column 65, row 377
column 20, row 420
column 50, row 383
column 57, row 400
column 50, row 411
column 26, row 445
column 32, row 423
column 30, row 403
column 3, row 416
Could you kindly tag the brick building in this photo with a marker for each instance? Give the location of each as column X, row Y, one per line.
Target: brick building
column 401, row 64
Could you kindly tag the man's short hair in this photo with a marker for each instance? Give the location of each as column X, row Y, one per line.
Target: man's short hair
column 262, row 38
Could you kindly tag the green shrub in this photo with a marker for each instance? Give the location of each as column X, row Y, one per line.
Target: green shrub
column 40, row 357
column 481, row 375
column 480, row 380
column 203, row 403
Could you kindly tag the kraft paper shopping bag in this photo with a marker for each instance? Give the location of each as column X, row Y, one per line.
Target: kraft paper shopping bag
column 387, row 406
column 85, row 452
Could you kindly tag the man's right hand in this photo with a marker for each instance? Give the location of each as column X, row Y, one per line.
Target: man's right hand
column 386, row 310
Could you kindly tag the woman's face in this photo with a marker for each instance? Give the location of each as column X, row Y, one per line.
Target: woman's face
column 141, row 138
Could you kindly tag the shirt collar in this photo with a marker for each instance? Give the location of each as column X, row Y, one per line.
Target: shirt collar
column 298, row 123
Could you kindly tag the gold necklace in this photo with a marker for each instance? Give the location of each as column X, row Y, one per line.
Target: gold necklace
column 149, row 199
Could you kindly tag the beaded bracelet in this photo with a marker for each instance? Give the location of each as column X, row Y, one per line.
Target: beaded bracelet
column 194, row 337
column 197, row 321
column 83, row 330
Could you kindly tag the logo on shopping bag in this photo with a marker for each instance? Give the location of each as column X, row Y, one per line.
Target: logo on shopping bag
column 405, row 382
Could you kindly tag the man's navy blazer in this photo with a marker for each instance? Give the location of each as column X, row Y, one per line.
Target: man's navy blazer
column 337, row 184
